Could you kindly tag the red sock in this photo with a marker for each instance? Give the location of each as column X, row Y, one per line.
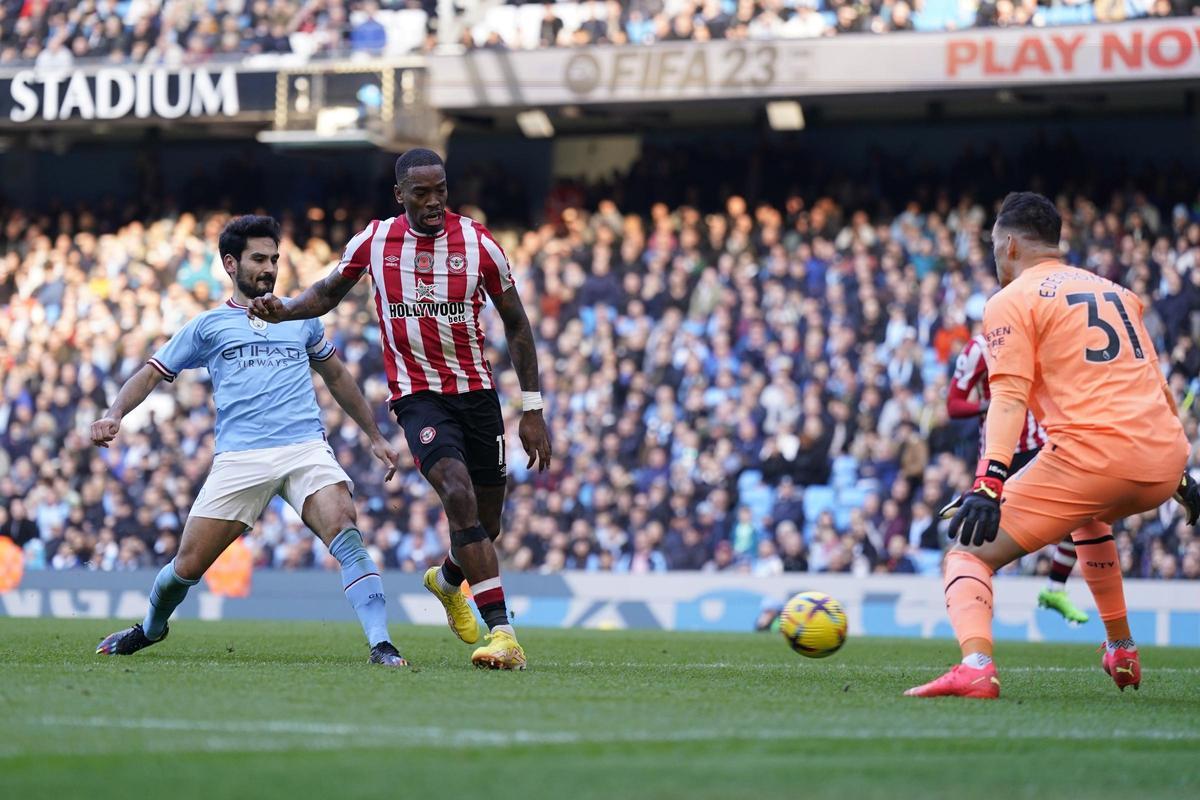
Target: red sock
column 1064, row 561
column 489, row 599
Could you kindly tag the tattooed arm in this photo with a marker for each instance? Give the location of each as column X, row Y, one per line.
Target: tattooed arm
column 535, row 438
column 314, row 301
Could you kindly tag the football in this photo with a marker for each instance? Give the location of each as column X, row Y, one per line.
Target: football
column 814, row 624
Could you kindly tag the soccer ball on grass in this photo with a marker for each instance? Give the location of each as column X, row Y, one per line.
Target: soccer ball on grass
column 814, row 624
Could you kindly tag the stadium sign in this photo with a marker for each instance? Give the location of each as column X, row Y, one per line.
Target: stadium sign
column 36, row 97
column 842, row 65
column 115, row 93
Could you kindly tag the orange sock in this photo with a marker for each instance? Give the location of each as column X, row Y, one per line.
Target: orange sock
column 968, row 583
column 1101, row 567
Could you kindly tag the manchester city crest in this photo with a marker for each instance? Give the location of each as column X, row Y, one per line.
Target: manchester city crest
column 258, row 324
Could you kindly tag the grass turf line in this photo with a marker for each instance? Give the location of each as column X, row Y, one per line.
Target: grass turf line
column 278, row 709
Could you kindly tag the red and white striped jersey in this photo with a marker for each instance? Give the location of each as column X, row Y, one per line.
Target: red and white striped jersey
column 970, row 372
column 429, row 291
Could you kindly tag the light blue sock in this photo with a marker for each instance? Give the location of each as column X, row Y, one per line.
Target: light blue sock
column 166, row 594
column 362, row 584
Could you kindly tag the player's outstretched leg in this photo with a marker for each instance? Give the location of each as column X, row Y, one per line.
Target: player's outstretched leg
column 502, row 651
column 330, row 513
column 968, row 585
column 472, row 547
column 445, row 584
column 1054, row 596
column 203, row 540
column 1102, row 571
column 363, row 587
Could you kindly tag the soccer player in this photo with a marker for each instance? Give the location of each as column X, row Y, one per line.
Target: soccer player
column 432, row 271
column 269, row 440
column 971, row 378
column 1070, row 346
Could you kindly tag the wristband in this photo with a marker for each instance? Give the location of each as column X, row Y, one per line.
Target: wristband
column 532, row 401
column 991, row 468
column 989, row 478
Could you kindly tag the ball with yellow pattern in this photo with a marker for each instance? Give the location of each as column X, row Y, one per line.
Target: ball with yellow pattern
column 814, row 624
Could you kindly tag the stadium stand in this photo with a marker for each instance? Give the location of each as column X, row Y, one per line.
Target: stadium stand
column 53, row 34
column 742, row 387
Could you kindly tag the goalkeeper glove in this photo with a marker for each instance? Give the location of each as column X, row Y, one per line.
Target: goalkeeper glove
column 1188, row 496
column 977, row 519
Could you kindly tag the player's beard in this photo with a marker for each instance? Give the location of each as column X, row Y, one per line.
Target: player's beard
column 264, row 284
column 423, row 226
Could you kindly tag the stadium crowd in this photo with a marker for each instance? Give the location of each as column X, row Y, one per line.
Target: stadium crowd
column 56, row 34
column 751, row 387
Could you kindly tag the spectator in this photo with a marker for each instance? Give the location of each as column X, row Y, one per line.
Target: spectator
column 767, row 562
column 642, row 558
column 710, row 373
column 369, row 35
column 898, row 560
column 551, row 26
column 56, row 57
column 15, row 523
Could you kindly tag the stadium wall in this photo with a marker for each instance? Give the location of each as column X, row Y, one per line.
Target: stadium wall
column 903, row 606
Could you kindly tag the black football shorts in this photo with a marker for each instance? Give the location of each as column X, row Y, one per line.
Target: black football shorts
column 466, row 426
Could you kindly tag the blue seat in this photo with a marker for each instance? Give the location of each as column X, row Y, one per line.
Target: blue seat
column 848, row 499
column 935, row 15
column 818, row 499
column 749, row 480
column 845, row 472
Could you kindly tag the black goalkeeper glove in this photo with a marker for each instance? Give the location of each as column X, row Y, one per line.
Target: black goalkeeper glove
column 977, row 519
column 1188, row 496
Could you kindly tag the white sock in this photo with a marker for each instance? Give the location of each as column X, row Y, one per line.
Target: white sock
column 505, row 629
column 977, row 660
column 1055, row 586
column 1125, row 644
column 444, row 584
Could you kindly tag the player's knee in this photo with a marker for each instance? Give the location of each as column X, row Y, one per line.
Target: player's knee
column 458, row 496
column 188, row 565
column 988, row 553
column 454, row 485
column 345, row 518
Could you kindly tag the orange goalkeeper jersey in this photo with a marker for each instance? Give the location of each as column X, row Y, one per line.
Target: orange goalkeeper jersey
column 1096, row 384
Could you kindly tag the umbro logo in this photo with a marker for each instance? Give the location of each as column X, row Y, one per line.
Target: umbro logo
column 391, row 259
column 425, row 291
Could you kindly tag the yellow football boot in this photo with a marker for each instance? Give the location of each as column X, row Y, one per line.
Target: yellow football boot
column 459, row 615
column 501, row 652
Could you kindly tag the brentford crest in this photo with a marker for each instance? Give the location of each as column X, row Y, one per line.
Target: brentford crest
column 424, row 262
column 427, row 435
column 456, row 262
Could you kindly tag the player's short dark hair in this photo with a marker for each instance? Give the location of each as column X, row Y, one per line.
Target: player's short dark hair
column 239, row 229
column 417, row 157
column 1033, row 215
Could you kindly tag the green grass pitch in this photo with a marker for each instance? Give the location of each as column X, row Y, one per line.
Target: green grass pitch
column 266, row 710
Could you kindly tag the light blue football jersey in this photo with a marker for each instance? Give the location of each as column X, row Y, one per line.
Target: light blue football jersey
column 260, row 375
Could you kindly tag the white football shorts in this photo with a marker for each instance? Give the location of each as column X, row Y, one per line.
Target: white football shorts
column 242, row 482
